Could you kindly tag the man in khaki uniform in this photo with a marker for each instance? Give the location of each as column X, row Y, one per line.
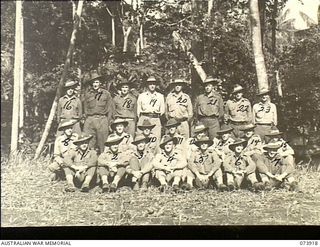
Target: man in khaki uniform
column 118, row 127
column 169, row 164
column 205, row 166
column 209, row 107
column 80, row 164
column 70, row 107
column 98, row 108
column 140, row 163
column 239, row 166
column 172, row 129
column 146, row 130
column 238, row 112
column 264, row 114
column 151, row 106
column 61, row 145
column 179, row 107
column 112, row 164
column 126, row 106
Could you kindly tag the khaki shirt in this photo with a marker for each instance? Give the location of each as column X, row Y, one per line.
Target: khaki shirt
column 62, row 144
column 179, row 106
column 110, row 159
column 144, row 158
column 265, row 113
column 254, row 145
column 175, row 160
column 276, row 165
column 126, row 143
column 150, row 103
column 223, row 146
column 204, row 163
column 98, row 103
column 237, row 163
column 238, row 111
column 153, row 145
column 69, row 107
column 182, row 144
column 209, row 105
column 78, row 158
column 125, row 107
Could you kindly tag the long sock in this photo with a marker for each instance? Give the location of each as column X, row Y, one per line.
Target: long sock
column 69, row 179
column 116, row 180
column 189, row 180
column 176, row 181
column 87, row 180
column 219, row 180
column 104, row 179
column 162, row 180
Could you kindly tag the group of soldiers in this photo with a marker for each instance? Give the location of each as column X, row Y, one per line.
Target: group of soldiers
column 232, row 145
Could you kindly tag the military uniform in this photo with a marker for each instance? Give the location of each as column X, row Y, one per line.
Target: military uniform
column 264, row 116
column 78, row 158
column 179, row 107
column 125, row 144
column 98, row 107
column 205, row 163
column 151, row 106
column 69, row 108
column 61, row 145
column 222, row 146
column 182, row 143
column 238, row 113
column 209, row 111
column 242, row 164
column 126, row 108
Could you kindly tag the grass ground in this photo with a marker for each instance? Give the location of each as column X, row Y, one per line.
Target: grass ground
column 28, row 198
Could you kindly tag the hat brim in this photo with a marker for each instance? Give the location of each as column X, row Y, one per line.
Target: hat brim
column 263, row 93
column 198, row 143
column 201, row 130
column 232, row 146
column 146, row 139
column 71, row 86
column 271, row 148
column 247, row 129
column 172, row 125
column 63, row 127
column 141, row 127
column 108, row 143
column 95, row 78
column 113, row 125
column 174, row 139
column 224, row 131
column 274, row 134
column 237, row 91
column 83, row 140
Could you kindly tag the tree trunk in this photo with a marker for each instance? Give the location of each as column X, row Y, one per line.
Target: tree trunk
column 126, row 34
column 17, row 79
column 21, row 84
column 257, row 46
column 141, row 36
column 210, row 7
column 262, row 14
column 62, row 80
column 113, row 27
column 274, row 26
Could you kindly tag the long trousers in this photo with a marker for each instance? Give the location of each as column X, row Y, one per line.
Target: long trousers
column 213, row 125
column 184, row 129
column 262, row 130
column 98, row 126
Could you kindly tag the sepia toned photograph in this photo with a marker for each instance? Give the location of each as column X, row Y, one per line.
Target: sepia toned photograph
column 166, row 113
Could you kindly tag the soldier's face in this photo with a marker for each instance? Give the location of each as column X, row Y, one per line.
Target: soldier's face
column 119, row 128
column 168, row 147
column 152, row 87
column 238, row 95
column 275, row 138
column 208, row 88
column 70, row 91
column 84, row 146
column 96, row 84
column 146, row 131
column 178, row 88
column 114, row 148
column 238, row 149
column 249, row 133
column 172, row 130
column 264, row 98
column 141, row 146
column 272, row 153
column 125, row 89
column 225, row 136
column 204, row 146
column 68, row 131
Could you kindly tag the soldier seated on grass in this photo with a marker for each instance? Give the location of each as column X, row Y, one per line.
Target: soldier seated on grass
column 224, row 139
column 172, row 131
column 239, row 166
column 140, row 163
column 118, row 127
column 80, row 164
column 205, row 166
column 169, row 164
column 112, row 163
column 285, row 151
column 275, row 170
column 146, row 130
column 61, row 145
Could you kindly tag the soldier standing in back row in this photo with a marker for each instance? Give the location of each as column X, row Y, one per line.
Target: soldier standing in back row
column 264, row 114
column 70, row 107
column 209, row 107
column 151, row 106
column 238, row 111
column 126, row 107
column 179, row 107
column 98, row 108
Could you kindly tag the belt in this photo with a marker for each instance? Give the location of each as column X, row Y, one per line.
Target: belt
column 76, row 118
column 97, row 115
column 126, row 118
column 153, row 115
column 212, row 116
column 238, row 122
column 268, row 124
